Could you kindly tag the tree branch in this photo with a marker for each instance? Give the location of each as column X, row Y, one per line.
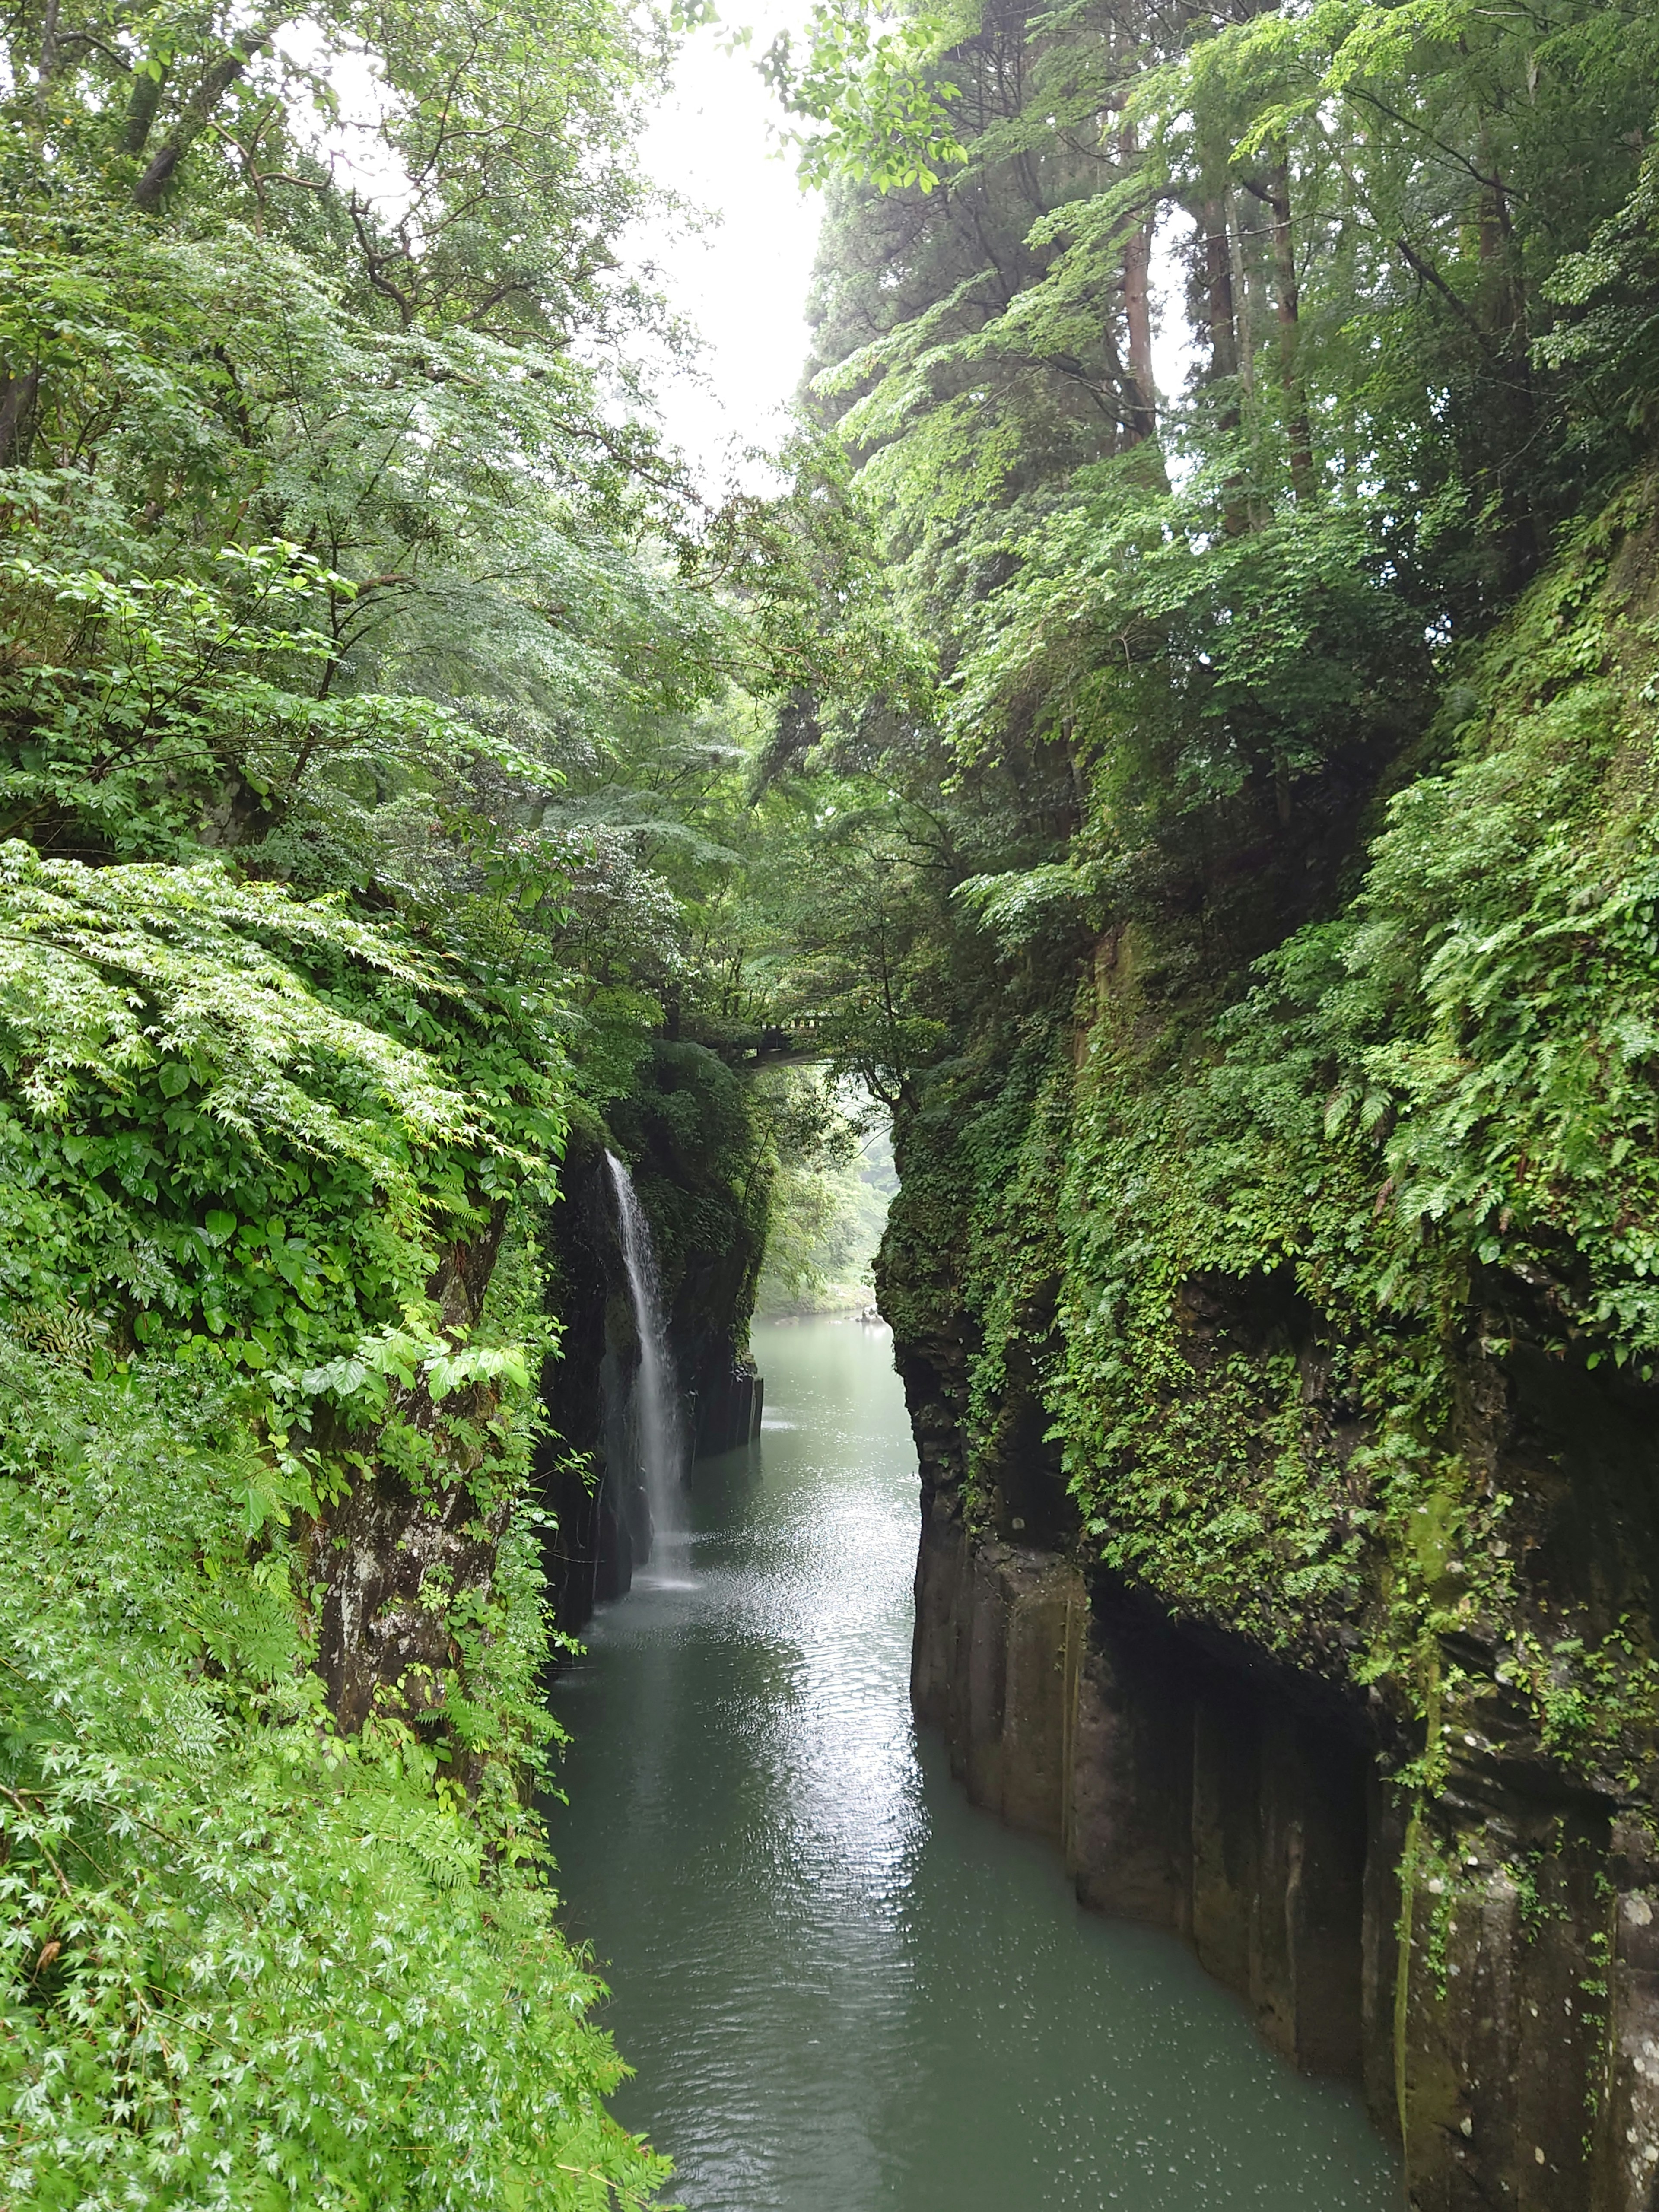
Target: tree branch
column 198, row 112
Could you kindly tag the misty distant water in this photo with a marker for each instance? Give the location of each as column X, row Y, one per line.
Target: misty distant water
column 843, row 1988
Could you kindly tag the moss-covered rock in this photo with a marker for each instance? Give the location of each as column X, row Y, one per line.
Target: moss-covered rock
column 702, row 1163
column 1320, row 1309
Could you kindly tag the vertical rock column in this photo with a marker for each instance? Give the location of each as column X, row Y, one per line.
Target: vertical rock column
column 1207, row 1805
column 1529, row 2041
column 1181, row 1797
column 1522, row 2064
column 994, row 1669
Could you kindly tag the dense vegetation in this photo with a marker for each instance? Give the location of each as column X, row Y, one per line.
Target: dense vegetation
column 1260, row 847
column 375, row 700
column 1228, row 809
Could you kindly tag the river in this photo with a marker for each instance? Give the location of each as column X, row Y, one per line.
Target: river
column 841, row 1987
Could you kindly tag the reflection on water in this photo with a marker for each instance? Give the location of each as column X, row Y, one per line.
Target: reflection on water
column 840, row 1986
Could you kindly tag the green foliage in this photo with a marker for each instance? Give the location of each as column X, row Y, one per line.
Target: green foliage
column 1287, row 1222
column 254, row 1958
column 1450, row 1079
column 702, row 1155
column 1255, row 927
column 830, row 1192
column 249, row 1962
column 222, row 1126
column 372, row 785
column 1227, row 591
column 885, row 112
column 1610, row 341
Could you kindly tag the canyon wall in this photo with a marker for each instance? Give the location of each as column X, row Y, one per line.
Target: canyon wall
column 1273, row 1279
column 1501, row 2010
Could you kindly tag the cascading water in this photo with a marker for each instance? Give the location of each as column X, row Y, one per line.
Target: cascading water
column 659, row 1433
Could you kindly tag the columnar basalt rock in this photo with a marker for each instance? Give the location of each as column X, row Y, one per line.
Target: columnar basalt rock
column 1273, row 1257
column 726, row 1411
column 1196, row 1784
column 996, row 1632
column 1181, row 1795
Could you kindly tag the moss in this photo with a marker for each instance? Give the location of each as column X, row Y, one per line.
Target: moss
column 702, row 1162
column 1264, row 1268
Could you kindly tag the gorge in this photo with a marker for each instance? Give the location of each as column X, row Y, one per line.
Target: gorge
column 1168, row 738
column 838, row 1983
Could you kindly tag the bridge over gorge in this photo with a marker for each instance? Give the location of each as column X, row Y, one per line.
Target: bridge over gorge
column 802, row 1037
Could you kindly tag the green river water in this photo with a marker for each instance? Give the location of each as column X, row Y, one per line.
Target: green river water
column 841, row 1987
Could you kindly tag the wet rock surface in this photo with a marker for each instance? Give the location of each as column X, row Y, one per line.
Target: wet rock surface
column 1499, row 2003
column 588, row 1471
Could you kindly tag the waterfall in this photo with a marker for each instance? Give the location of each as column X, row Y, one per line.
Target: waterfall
column 659, row 1435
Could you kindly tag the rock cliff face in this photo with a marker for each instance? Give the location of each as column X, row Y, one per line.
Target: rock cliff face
column 1183, row 1793
column 1280, row 1344
column 586, row 1476
column 1501, row 2011
column 687, row 1160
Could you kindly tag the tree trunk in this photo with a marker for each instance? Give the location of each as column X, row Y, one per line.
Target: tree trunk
column 17, row 398
column 1513, row 405
column 198, row 113
column 1222, row 313
column 1287, row 304
column 48, row 52
column 1137, row 311
column 142, row 104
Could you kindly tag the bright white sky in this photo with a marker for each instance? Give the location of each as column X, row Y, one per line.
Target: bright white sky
column 742, row 282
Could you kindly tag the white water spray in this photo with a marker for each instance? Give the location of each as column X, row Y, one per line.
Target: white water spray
column 659, row 1433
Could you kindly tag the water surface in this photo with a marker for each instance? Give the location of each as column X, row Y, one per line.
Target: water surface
column 841, row 1987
